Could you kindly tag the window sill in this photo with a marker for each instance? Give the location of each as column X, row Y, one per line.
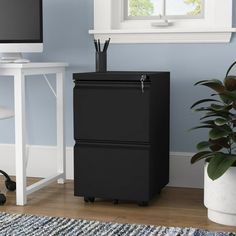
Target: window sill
column 166, row 35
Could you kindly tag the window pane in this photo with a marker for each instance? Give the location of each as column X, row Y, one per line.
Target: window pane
column 183, row 7
column 145, row 7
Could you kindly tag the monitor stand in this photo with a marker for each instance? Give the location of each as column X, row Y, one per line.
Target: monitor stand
column 12, row 58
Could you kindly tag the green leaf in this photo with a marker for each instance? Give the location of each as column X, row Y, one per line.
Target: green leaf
column 215, row 147
column 208, row 122
column 224, row 114
column 199, row 156
column 207, row 81
column 217, row 107
column 229, row 95
column 223, row 142
column 227, row 73
column 225, row 99
column 220, row 121
column 214, row 84
column 203, row 101
column 219, row 164
column 203, row 145
column 226, row 127
column 202, row 126
column 230, row 83
column 214, row 115
column 218, row 132
column 204, row 109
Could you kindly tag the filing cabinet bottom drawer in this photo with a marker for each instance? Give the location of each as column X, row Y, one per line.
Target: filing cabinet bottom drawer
column 112, row 172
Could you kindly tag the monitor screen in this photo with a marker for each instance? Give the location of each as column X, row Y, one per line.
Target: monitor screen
column 21, row 21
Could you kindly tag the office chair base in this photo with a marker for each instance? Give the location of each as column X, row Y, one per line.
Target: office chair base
column 10, row 184
column 2, row 199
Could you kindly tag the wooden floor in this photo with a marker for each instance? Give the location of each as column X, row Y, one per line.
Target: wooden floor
column 173, row 207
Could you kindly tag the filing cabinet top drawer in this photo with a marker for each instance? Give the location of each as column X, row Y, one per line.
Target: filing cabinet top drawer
column 118, row 76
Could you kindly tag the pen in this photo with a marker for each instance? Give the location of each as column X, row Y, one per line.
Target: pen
column 107, row 44
column 104, row 47
column 99, row 45
column 96, row 45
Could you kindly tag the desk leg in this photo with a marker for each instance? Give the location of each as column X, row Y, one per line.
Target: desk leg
column 19, row 96
column 61, row 154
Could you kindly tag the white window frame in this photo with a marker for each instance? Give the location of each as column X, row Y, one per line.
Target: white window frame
column 163, row 16
column 215, row 27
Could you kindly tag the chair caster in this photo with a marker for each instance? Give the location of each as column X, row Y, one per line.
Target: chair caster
column 143, row 203
column 86, row 199
column 115, row 201
column 2, row 199
column 10, row 185
column 89, row 199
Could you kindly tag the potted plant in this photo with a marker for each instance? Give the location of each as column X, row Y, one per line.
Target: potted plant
column 219, row 151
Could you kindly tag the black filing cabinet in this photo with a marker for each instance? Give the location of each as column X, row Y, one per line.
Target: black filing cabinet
column 121, row 130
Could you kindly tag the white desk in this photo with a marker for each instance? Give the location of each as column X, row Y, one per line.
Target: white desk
column 20, row 71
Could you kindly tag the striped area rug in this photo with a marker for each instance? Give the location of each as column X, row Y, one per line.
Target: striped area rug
column 15, row 224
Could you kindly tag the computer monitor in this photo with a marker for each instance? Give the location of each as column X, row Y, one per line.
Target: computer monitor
column 21, row 28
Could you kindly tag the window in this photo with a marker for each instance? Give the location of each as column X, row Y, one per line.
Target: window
column 163, row 21
column 163, row 9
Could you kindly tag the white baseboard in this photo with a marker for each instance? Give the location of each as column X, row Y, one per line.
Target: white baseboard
column 41, row 160
column 183, row 173
column 42, row 163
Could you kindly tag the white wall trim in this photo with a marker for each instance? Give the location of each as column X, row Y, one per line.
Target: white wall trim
column 165, row 36
column 183, row 173
column 42, row 161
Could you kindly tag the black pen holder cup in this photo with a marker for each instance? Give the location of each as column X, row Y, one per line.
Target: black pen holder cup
column 101, row 61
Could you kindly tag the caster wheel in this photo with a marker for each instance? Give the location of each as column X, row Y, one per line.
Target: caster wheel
column 2, row 199
column 115, row 201
column 86, row 199
column 143, row 204
column 89, row 199
column 10, row 185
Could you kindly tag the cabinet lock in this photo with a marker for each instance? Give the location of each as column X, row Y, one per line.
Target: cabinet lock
column 143, row 78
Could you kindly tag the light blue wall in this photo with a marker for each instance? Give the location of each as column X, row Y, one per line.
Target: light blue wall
column 66, row 38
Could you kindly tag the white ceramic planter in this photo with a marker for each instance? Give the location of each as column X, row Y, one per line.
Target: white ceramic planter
column 220, row 197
